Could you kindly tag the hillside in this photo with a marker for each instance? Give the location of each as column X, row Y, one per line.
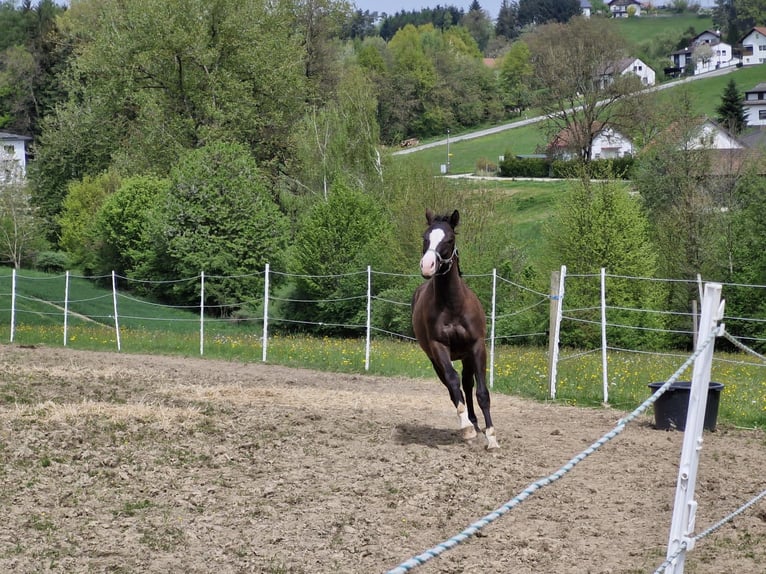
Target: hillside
column 523, row 136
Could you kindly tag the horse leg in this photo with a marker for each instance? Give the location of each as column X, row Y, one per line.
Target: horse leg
column 448, row 375
column 469, row 370
column 482, row 397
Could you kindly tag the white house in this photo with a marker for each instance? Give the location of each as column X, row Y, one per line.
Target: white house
column 13, row 155
column 755, row 105
column 637, row 67
column 705, row 53
column 624, row 8
column 586, row 8
column 608, row 143
column 710, row 135
column 754, row 46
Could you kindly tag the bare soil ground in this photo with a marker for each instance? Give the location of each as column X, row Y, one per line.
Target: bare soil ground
column 133, row 463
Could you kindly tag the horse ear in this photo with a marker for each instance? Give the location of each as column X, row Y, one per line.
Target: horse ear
column 429, row 216
column 454, row 219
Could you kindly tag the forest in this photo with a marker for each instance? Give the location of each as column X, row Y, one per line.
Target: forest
column 172, row 137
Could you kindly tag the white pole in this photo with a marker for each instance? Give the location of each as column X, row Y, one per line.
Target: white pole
column 114, row 300
column 265, row 312
column 492, row 331
column 13, row 303
column 202, row 313
column 369, row 316
column 556, row 315
column 685, row 507
column 66, row 306
column 603, row 336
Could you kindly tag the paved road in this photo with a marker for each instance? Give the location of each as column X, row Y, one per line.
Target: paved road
column 536, row 119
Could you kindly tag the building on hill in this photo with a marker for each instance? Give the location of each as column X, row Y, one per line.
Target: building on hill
column 626, row 66
column 624, row 8
column 754, row 46
column 607, row 143
column 755, row 105
column 705, row 53
column 13, row 155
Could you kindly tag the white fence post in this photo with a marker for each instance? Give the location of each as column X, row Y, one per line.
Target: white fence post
column 66, row 306
column 369, row 316
column 492, row 331
column 685, row 507
column 265, row 312
column 604, row 373
column 557, row 300
column 13, row 303
column 116, row 319
column 202, row 313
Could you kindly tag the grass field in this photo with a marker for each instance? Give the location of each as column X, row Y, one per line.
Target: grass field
column 648, row 26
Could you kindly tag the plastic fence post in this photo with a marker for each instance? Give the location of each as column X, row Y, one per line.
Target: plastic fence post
column 492, row 331
column 684, row 509
column 13, row 303
column 66, row 306
column 202, row 313
column 265, row 312
column 604, row 373
column 369, row 316
column 557, row 299
column 116, row 319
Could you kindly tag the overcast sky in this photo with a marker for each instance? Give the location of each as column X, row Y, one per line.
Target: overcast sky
column 394, row 6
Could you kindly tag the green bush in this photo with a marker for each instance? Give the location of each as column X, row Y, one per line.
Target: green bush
column 52, row 261
column 524, row 167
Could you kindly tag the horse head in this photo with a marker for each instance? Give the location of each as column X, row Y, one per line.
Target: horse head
column 439, row 251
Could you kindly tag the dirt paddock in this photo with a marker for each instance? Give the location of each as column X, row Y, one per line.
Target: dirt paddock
column 133, row 463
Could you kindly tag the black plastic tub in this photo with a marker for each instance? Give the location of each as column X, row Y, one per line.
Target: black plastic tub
column 671, row 408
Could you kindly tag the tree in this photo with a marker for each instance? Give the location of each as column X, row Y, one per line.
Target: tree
column 341, row 138
column 478, row 24
column 123, row 223
column 581, row 91
column 21, row 236
column 335, row 241
column 731, row 111
column 516, row 74
column 77, row 221
column 218, row 217
column 600, row 225
column 152, row 79
column 544, row 11
column 507, row 24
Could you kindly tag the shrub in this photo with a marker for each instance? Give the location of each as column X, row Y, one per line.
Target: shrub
column 524, row 167
column 52, row 261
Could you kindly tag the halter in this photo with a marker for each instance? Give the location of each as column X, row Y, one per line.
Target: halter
column 441, row 260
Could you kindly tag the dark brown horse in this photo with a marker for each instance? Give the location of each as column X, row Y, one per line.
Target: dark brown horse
column 450, row 324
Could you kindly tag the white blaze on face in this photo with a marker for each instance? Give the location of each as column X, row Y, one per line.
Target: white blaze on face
column 429, row 263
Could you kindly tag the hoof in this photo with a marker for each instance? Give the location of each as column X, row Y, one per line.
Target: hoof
column 469, row 433
column 491, row 440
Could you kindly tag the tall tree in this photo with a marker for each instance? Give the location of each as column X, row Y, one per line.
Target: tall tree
column 544, row 11
column 581, row 88
column 507, row 24
column 601, row 225
column 516, row 73
column 153, row 78
column 21, row 236
column 731, row 111
column 478, row 24
column 219, row 217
